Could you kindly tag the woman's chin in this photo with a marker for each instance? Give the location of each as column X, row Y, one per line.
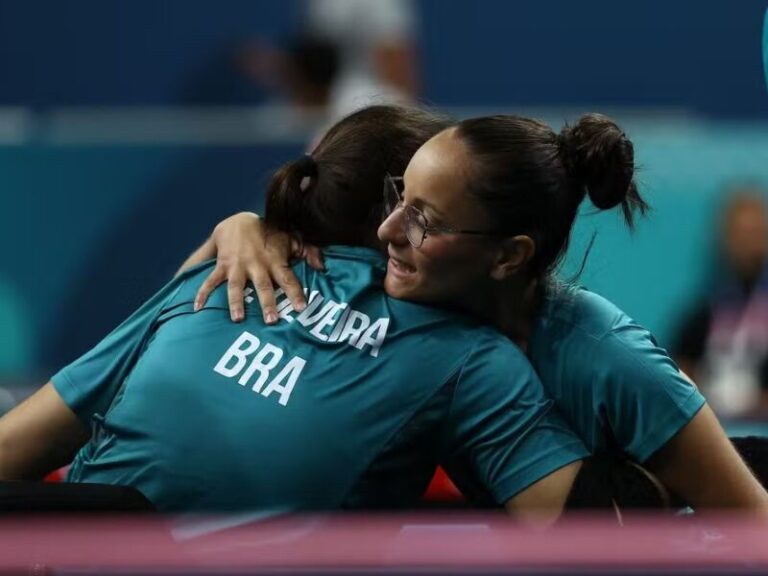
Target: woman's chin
column 398, row 288
column 400, row 280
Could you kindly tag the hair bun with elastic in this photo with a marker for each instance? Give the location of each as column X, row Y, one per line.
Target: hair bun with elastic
column 307, row 169
column 287, row 194
column 600, row 157
column 306, row 165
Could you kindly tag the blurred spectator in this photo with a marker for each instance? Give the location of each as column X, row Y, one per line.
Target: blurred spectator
column 350, row 54
column 304, row 72
column 376, row 46
column 723, row 344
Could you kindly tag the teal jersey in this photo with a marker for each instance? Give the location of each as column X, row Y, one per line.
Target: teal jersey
column 348, row 404
column 618, row 390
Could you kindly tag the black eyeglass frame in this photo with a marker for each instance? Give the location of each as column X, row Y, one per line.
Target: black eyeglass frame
column 415, row 219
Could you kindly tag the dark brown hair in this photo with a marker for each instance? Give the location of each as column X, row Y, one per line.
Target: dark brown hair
column 531, row 180
column 334, row 195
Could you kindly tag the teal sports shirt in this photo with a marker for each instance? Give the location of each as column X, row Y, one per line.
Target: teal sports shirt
column 618, row 390
column 349, row 404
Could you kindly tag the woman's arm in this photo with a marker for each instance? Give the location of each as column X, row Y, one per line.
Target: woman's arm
column 39, row 436
column 542, row 503
column 247, row 250
column 658, row 417
column 700, row 465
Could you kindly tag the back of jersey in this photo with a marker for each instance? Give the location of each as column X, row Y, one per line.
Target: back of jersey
column 337, row 406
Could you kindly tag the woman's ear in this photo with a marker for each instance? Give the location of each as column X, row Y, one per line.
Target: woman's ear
column 512, row 256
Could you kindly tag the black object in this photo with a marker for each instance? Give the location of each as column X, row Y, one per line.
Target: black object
column 754, row 451
column 43, row 497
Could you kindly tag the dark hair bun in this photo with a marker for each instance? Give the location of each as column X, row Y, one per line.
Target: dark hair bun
column 600, row 157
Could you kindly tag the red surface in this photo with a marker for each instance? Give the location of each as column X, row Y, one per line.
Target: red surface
column 57, row 475
column 441, row 489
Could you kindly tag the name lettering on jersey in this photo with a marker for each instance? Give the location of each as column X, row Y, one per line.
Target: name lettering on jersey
column 330, row 321
column 250, row 360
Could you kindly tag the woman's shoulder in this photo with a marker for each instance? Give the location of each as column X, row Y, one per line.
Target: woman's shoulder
column 569, row 309
column 184, row 286
column 595, row 334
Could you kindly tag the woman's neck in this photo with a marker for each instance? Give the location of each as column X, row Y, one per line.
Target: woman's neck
column 510, row 307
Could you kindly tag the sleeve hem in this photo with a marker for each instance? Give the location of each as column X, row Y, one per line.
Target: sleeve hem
column 553, row 461
column 670, row 426
column 68, row 391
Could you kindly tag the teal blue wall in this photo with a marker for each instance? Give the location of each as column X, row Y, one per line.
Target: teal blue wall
column 88, row 233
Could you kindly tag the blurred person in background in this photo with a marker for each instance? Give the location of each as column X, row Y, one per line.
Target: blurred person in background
column 723, row 343
column 304, row 72
column 376, row 47
column 349, row 54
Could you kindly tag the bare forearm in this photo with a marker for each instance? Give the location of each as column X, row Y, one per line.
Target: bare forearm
column 542, row 503
column 700, row 465
column 38, row 436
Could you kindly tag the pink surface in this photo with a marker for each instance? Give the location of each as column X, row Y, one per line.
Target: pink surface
column 378, row 542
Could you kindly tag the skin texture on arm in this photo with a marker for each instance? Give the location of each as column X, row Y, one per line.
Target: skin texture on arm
column 700, row 464
column 39, row 436
column 542, row 503
column 247, row 249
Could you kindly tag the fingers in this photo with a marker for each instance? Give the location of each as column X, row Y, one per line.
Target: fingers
column 235, row 296
column 248, row 250
column 262, row 283
column 265, row 292
column 287, row 280
column 216, row 277
column 314, row 257
column 296, row 247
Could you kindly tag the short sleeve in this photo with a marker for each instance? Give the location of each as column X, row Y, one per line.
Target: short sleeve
column 89, row 384
column 503, row 434
column 646, row 400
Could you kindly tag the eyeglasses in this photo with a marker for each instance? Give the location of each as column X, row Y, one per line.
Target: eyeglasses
column 416, row 225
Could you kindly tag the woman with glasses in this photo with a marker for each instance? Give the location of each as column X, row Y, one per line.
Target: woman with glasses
column 348, row 402
column 478, row 222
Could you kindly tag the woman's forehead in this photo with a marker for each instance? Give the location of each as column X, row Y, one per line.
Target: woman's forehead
column 440, row 162
column 437, row 178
